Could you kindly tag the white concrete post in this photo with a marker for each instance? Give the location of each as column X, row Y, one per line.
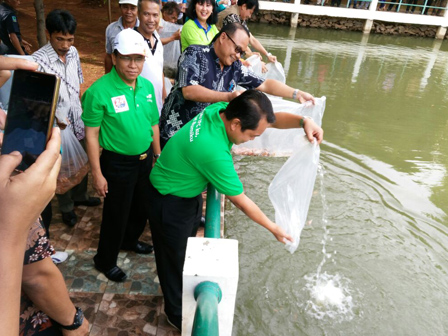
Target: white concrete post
column 294, row 20
column 215, row 260
column 367, row 26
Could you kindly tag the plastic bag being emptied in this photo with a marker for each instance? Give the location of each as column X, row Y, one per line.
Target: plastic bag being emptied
column 291, row 189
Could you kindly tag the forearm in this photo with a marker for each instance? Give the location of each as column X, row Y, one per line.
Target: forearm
column 285, row 120
column 166, row 40
column 93, row 151
column 201, row 94
column 16, row 43
column 156, row 140
column 251, row 210
column 12, row 250
column 107, row 63
column 257, row 45
column 276, row 88
column 44, row 284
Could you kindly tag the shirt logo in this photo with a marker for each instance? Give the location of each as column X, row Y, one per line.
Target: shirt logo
column 14, row 18
column 120, row 104
column 149, row 98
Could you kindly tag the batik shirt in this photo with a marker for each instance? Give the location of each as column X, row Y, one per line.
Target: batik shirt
column 199, row 65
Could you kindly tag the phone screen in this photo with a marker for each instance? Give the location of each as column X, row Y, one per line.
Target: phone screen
column 30, row 114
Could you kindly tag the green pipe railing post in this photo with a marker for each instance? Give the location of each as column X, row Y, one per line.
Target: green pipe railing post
column 208, row 295
column 213, row 213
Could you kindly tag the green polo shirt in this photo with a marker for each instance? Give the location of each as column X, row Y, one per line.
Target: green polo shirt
column 197, row 154
column 193, row 33
column 125, row 116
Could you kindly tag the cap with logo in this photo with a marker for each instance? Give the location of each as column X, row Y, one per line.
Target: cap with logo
column 128, row 2
column 130, row 42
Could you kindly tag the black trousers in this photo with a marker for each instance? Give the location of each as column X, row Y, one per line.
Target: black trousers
column 125, row 210
column 172, row 220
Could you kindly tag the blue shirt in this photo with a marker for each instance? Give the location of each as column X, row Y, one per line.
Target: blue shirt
column 199, row 65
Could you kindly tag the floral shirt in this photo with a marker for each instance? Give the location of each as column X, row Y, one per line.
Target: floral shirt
column 199, row 65
column 32, row 320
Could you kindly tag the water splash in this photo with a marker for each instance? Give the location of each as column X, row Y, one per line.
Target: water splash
column 329, row 295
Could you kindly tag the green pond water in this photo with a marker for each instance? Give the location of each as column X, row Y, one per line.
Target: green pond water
column 373, row 259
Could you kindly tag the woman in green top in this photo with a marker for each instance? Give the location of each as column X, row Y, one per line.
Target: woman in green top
column 200, row 28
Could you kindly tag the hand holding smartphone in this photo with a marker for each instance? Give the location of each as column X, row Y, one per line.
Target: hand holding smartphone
column 30, row 118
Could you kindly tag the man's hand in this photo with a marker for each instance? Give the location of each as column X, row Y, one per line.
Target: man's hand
column 234, row 94
column 176, row 35
column 281, row 235
column 272, row 58
column 24, row 196
column 100, row 184
column 83, row 330
column 313, row 131
column 27, row 46
column 303, row 97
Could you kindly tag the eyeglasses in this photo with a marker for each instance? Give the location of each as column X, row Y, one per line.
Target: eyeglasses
column 129, row 59
column 238, row 49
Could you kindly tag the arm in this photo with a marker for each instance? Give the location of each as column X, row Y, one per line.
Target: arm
column 107, row 63
column 2, row 119
column 277, row 88
column 284, row 120
column 22, row 199
column 16, row 43
column 246, row 205
column 155, row 142
column 257, row 45
column 163, row 89
column 93, row 152
column 45, row 286
column 27, row 46
column 199, row 93
column 174, row 37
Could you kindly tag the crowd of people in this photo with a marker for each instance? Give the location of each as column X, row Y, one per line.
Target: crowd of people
column 151, row 152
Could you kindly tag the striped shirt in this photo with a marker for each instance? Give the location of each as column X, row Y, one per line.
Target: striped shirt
column 69, row 108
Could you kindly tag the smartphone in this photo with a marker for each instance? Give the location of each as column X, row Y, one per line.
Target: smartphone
column 30, row 118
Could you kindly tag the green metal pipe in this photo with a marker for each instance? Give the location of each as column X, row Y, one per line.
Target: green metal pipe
column 213, row 213
column 207, row 295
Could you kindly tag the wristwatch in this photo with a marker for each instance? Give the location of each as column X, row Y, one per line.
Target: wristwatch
column 302, row 121
column 79, row 318
column 294, row 94
column 156, row 156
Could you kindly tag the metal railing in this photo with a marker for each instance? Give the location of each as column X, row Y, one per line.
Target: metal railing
column 208, row 294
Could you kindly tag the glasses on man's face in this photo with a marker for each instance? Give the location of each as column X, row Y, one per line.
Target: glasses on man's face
column 238, row 49
column 129, row 59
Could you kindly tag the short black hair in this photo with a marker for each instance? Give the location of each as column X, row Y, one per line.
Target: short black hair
column 170, row 7
column 139, row 4
column 230, row 30
column 191, row 10
column 249, row 107
column 249, row 4
column 60, row 20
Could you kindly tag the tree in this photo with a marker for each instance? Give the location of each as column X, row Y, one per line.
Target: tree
column 40, row 16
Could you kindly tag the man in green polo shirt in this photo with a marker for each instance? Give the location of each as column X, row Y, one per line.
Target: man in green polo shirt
column 121, row 116
column 198, row 154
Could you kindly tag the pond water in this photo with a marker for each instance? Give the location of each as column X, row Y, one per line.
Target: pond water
column 373, row 257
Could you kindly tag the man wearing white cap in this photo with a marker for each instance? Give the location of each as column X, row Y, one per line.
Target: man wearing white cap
column 121, row 116
column 128, row 19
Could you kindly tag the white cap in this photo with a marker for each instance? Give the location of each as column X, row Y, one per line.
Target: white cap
column 130, row 42
column 130, row 2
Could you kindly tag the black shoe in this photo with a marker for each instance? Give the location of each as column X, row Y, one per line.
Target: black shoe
column 69, row 218
column 114, row 274
column 140, row 248
column 92, row 201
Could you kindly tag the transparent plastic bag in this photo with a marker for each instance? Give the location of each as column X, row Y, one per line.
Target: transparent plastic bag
column 75, row 164
column 291, row 189
column 274, row 142
column 171, row 51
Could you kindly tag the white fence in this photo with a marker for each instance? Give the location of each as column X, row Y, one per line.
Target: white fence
column 369, row 15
